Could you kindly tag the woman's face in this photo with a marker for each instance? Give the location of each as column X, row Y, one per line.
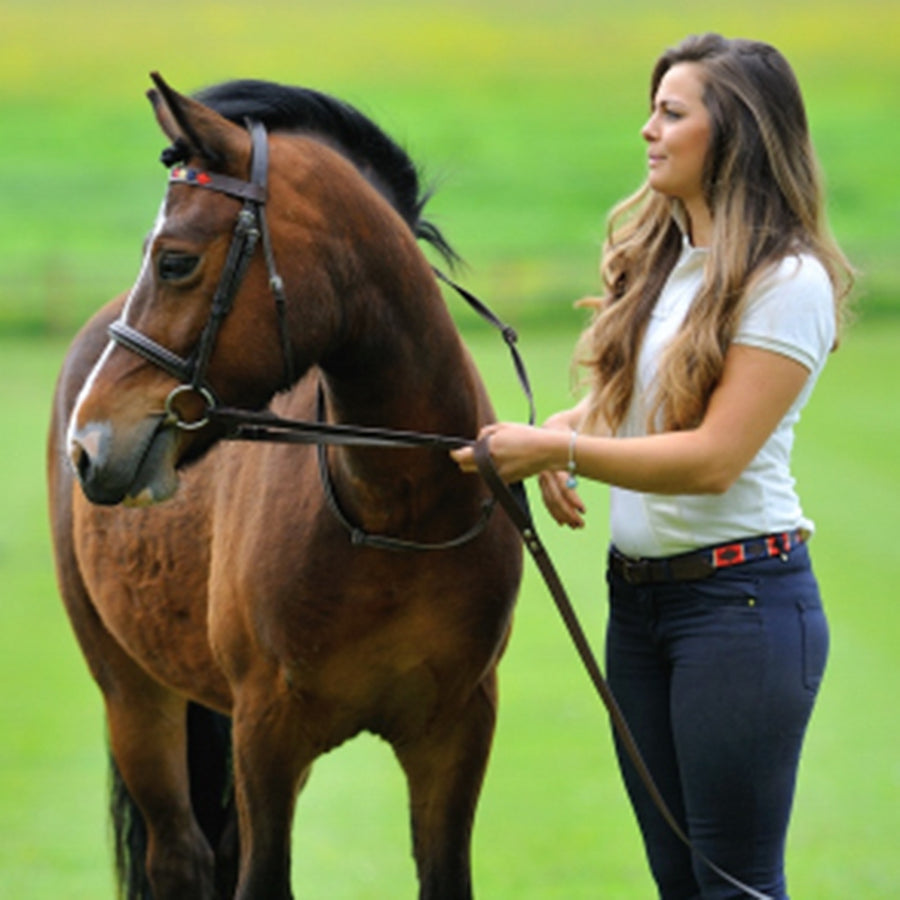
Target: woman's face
column 677, row 135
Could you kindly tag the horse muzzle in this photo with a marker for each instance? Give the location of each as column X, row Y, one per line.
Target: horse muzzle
column 137, row 470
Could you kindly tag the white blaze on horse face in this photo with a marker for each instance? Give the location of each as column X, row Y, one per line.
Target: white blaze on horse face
column 158, row 226
column 92, row 377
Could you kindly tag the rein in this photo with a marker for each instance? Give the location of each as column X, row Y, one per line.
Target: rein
column 244, row 425
column 251, row 228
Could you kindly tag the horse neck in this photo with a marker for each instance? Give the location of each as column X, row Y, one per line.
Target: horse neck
column 407, row 368
column 379, row 332
column 408, row 371
column 379, row 329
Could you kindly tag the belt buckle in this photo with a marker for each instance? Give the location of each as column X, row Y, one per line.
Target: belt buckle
column 692, row 567
column 636, row 572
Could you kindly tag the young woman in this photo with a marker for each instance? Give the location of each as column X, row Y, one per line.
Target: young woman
column 723, row 299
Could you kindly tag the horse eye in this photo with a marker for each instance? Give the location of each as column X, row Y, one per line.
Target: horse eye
column 176, row 266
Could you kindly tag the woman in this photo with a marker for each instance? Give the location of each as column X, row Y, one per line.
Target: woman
column 723, row 298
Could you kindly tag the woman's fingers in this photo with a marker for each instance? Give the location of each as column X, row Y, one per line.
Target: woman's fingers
column 465, row 459
column 563, row 503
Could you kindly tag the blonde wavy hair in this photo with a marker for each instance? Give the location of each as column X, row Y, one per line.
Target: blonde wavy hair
column 762, row 184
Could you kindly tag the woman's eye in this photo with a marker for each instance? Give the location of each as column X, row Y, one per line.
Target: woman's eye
column 176, row 266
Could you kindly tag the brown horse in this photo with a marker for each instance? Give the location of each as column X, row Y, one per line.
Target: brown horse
column 238, row 617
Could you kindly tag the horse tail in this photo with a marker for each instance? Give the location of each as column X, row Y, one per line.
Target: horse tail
column 212, row 797
column 129, row 838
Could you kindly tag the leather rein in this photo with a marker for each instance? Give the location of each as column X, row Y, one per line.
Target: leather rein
column 251, row 227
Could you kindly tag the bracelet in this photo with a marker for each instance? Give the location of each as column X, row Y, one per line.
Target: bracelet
column 572, row 479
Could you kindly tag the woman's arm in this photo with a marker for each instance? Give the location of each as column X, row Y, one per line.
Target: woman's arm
column 756, row 390
column 562, row 502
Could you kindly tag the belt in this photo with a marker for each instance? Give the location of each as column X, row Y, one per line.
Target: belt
column 698, row 564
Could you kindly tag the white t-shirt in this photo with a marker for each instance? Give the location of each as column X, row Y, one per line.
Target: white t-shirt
column 791, row 312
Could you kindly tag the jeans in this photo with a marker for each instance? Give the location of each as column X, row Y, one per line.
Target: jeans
column 717, row 679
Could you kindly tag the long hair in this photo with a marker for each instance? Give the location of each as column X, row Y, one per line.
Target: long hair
column 762, row 184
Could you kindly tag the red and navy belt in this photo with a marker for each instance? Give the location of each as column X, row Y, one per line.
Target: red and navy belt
column 697, row 564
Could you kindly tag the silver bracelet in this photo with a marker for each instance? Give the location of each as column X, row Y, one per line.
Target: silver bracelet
column 572, row 479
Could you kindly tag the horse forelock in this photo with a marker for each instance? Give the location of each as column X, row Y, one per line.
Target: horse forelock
column 382, row 161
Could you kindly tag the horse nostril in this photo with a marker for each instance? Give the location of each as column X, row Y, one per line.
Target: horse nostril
column 85, row 449
column 81, row 460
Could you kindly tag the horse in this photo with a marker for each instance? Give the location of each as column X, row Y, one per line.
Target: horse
column 245, row 607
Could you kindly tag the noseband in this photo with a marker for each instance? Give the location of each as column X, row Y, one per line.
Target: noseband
column 250, row 228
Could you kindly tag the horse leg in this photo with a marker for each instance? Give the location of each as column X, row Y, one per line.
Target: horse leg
column 148, row 740
column 445, row 770
column 271, row 764
column 147, row 727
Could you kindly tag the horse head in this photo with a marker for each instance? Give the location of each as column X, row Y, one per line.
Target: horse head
column 264, row 260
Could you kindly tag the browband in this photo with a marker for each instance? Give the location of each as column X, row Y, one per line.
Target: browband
column 223, row 184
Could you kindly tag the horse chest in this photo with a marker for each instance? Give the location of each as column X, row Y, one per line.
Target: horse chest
column 149, row 587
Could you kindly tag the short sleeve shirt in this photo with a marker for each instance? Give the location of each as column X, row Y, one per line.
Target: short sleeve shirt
column 789, row 311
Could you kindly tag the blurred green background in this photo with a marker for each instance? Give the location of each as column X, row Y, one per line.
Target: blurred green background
column 526, row 116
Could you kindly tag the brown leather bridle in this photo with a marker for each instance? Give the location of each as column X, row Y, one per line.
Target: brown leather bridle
column 250, row 228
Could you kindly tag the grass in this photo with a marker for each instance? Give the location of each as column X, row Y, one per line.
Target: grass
column 553, row 822
column 527, row 114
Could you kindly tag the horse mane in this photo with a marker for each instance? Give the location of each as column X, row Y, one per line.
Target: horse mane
column 385, row 164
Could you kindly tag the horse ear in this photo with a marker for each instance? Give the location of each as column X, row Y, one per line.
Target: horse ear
column 190, row 124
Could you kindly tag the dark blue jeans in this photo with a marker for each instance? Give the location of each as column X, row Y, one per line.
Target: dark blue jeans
column 717, row 679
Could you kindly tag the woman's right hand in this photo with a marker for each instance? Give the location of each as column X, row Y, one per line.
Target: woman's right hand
column 563, row 503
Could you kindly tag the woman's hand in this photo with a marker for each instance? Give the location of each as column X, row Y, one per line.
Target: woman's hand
column 520, row 451
column 563, row 503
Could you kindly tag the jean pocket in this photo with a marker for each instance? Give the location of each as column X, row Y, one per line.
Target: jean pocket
column 726, row 592
column 814, row 631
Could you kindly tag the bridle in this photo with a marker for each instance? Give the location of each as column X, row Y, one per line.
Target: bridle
column 250, row 228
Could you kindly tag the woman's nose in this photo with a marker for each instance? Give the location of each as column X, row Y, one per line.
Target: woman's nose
column 648, row 131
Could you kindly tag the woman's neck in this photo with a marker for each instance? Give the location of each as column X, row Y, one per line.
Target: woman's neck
column 699, row 224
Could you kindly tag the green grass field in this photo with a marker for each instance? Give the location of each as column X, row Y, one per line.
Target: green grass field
column 527, row 114
column 553, row 821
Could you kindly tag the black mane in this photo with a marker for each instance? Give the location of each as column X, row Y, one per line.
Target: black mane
column 384, row 163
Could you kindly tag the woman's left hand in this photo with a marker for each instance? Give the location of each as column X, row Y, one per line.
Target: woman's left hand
column 517, row 451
